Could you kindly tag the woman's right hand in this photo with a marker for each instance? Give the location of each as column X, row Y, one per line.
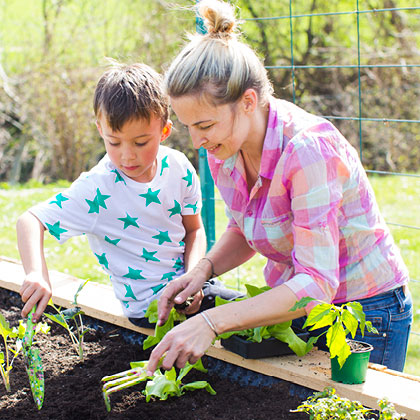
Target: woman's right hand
column 180, row 289
column 35, row 290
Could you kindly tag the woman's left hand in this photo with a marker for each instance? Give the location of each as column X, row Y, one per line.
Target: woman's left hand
column 187, row 342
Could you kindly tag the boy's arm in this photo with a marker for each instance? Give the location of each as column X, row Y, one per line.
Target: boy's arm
column 195, row 240
column 36, row 287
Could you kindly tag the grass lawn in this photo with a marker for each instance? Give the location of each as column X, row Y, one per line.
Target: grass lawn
column 397, row 198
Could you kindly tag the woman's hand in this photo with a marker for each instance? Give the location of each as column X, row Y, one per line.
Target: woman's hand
column 187, row 342
column 180, row 289
column 35, row 290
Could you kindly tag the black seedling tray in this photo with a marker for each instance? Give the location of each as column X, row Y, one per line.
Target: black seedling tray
column 269, row 347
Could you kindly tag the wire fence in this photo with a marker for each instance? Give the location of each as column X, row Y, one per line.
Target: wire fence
column 360, row 118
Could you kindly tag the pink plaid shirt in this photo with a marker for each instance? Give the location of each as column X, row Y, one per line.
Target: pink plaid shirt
column 312, row 211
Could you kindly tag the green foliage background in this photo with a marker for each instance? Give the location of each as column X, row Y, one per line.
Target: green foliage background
column 52, row 52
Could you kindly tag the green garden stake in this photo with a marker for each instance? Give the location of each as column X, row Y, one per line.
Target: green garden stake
column 33, row 362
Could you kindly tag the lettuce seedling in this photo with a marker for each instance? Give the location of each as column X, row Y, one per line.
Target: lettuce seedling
column 282, row 331
column 12, row 339
column 72, row 315
column 341, row 320
column 160, row 386
column 160, row 331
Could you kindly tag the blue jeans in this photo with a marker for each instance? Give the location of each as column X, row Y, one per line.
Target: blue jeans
column 391, row 313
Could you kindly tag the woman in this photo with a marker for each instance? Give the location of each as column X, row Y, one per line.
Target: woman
column 296, row 193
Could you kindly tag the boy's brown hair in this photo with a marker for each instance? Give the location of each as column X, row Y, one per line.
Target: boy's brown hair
column 126, row 92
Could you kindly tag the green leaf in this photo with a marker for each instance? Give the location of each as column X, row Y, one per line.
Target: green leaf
column 294, row 342
column 199, row 385
column 5, row 329
column 152, row 312
column 160, row 331
column 350, row 322
column 71, row 313
column 78, row 291
column 58, row 319
column 318, row 314
column 254, row 290
column 336, row 342
column 1, row 357
column 161, row 387
column 302, row 303
column 356, row 309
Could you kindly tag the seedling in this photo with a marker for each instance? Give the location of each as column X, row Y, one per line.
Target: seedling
column 282, row 331
column 341, row 321
column 71, row 316
column 12, row 339
column 160, row 331
column 160, row 385
column 328, row 405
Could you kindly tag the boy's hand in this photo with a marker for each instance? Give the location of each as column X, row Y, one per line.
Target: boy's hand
column 178, row 291
column 35, row 290
column 191, row 305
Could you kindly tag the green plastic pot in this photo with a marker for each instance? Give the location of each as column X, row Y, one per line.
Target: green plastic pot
column 354, row 368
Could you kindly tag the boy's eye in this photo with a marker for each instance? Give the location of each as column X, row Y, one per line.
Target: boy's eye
column 206, row 127
column 113, row 144
column 140, row 144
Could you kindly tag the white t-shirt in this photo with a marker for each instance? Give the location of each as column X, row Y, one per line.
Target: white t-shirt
column 134, row 229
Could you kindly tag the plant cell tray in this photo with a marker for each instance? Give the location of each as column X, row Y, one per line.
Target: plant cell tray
column 269, row 347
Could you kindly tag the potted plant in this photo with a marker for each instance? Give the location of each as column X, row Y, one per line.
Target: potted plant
column 349, row 357
column 268, row 341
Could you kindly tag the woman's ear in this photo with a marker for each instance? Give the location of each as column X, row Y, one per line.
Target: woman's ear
column 249, row 100
column 166, row 131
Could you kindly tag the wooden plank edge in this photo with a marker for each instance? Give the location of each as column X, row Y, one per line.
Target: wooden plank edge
column 262, row 366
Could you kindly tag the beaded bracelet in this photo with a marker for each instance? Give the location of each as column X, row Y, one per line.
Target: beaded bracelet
column 209, row 322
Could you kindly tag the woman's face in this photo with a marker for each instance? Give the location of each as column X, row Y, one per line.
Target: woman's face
column 222, row 129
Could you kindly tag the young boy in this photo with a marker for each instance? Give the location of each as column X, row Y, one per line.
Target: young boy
column 139, row 206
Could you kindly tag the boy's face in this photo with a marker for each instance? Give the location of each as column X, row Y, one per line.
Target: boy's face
column 133, row 150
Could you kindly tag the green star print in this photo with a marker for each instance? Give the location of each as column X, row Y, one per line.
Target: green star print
column 101, row 198
column 118, row 177
column 112, row 241
column 188, row 178
column 157, row 288
column 162, row 237
column 55, row 230
column 151, row 196
column 176, row 209
column 129, row 291
column 164, row 164
column 59, row 198
column 102, row 259
column 93, row 205
column 178, row 264
column 192, row 206
column 168, row 276
column 134, row 274
column 149, row 256
column 129, row 221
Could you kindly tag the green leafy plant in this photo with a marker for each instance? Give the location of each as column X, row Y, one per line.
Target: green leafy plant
column 341, row 320
column 12, row 339
column 328, row 405
column 160, row 386
column 282, row 331
column 71, row 319
column 152, row 315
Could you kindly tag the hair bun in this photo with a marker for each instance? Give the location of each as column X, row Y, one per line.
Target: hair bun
column 219, row 17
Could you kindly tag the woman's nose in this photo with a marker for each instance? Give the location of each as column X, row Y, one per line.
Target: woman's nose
column 197, row 139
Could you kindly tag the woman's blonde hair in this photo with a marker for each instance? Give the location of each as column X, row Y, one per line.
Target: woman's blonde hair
column 217, row 64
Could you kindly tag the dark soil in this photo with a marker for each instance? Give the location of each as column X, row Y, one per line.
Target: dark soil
column 73, row 388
